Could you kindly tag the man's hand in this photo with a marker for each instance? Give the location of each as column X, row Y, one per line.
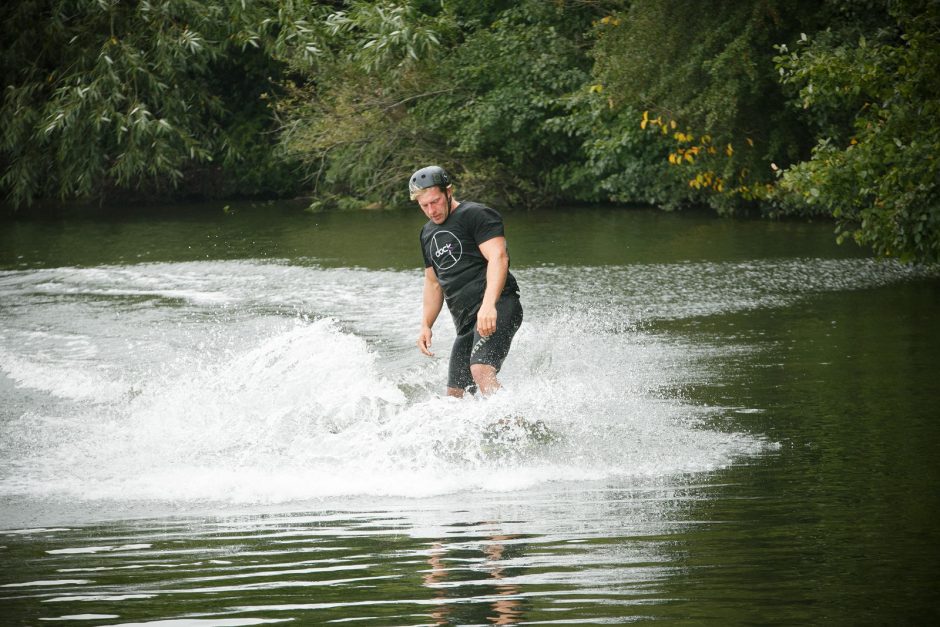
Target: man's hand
column 424, row 341
column 486, row 320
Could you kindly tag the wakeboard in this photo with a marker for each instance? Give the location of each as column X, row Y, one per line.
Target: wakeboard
column 516, row 435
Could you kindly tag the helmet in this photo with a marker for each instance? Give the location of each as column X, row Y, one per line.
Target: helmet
column 429, row 176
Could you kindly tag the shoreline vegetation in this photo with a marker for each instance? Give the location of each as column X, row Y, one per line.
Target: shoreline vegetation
column 779, row 108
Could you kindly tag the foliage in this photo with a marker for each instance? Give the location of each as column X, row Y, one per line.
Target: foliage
column 507, row 88
column 878, row 175
column 791, row 107
column 472, row 89
column 621, row 162
column 102, row 92
column 347, row 121
column 705, row 82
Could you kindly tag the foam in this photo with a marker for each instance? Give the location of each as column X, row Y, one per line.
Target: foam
column 264, row 382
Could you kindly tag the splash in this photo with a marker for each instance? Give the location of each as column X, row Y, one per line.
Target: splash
column 249, row 382
column 308, row 414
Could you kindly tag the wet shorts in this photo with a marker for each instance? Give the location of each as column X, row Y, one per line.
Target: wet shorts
column 470, row 348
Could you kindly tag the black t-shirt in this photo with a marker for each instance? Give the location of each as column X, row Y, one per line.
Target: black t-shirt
column 453, row 250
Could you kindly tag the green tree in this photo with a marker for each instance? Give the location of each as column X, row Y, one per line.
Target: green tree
column 101, row 93
column 347, row 119
column 501, row 118
column 874, row 93
column 476, row 87
column 703, row 82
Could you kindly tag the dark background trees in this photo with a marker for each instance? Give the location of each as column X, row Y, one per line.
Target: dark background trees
column 777, row 107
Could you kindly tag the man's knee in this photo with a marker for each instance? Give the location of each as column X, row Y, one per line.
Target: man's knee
column 482, row 370
column 484, row 376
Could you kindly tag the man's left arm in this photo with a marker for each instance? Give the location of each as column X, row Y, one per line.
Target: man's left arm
column 497, row 267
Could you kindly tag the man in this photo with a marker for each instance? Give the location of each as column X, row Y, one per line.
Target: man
column 466, row 264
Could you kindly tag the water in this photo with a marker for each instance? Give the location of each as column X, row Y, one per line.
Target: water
column 220, row 418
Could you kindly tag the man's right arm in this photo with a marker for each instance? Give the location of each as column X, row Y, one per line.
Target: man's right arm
column 433, row 302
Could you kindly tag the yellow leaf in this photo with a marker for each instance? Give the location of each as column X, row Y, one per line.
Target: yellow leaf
column 729, row 150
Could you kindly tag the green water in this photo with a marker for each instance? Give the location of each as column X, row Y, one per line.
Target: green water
column 818, row 366
column 567, row 237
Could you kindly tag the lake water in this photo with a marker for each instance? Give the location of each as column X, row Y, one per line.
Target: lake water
column 220, row 418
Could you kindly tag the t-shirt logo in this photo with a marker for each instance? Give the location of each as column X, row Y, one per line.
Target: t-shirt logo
column 445, row 249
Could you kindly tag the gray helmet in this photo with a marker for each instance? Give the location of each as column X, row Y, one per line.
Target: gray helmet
column 430, row 176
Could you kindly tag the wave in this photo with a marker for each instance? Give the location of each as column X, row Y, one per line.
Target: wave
column 263, row 382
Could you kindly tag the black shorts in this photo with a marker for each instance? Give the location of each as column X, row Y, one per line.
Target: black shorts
column 470, row 348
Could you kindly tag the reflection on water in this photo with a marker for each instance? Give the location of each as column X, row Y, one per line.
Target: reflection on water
column 544, row 555
column 740, row 429
column 507, row 606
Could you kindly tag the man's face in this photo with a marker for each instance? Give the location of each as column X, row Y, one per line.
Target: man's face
column 433, row 203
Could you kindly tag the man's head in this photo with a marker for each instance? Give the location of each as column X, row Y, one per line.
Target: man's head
column 427, row 177
column 431, row 187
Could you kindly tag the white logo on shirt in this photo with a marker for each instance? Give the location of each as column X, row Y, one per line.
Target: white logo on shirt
column 445, row 249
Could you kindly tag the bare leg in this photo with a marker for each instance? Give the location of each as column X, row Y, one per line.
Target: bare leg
column 455, row 392
column 485, row 378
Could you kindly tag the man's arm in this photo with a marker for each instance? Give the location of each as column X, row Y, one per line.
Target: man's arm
column 497, row 267
column 433, row 302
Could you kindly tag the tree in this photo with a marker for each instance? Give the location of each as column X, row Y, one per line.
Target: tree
column 473, row 86
column 704, row 82
column 347, row 119
column 874, row 93
column 103, row 93
column 501, row 118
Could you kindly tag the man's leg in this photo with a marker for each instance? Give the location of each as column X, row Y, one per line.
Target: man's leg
column 484, row 376
column 488, row 353
column 458, row 371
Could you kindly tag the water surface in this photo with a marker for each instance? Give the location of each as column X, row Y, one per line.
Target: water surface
column 219, row 418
